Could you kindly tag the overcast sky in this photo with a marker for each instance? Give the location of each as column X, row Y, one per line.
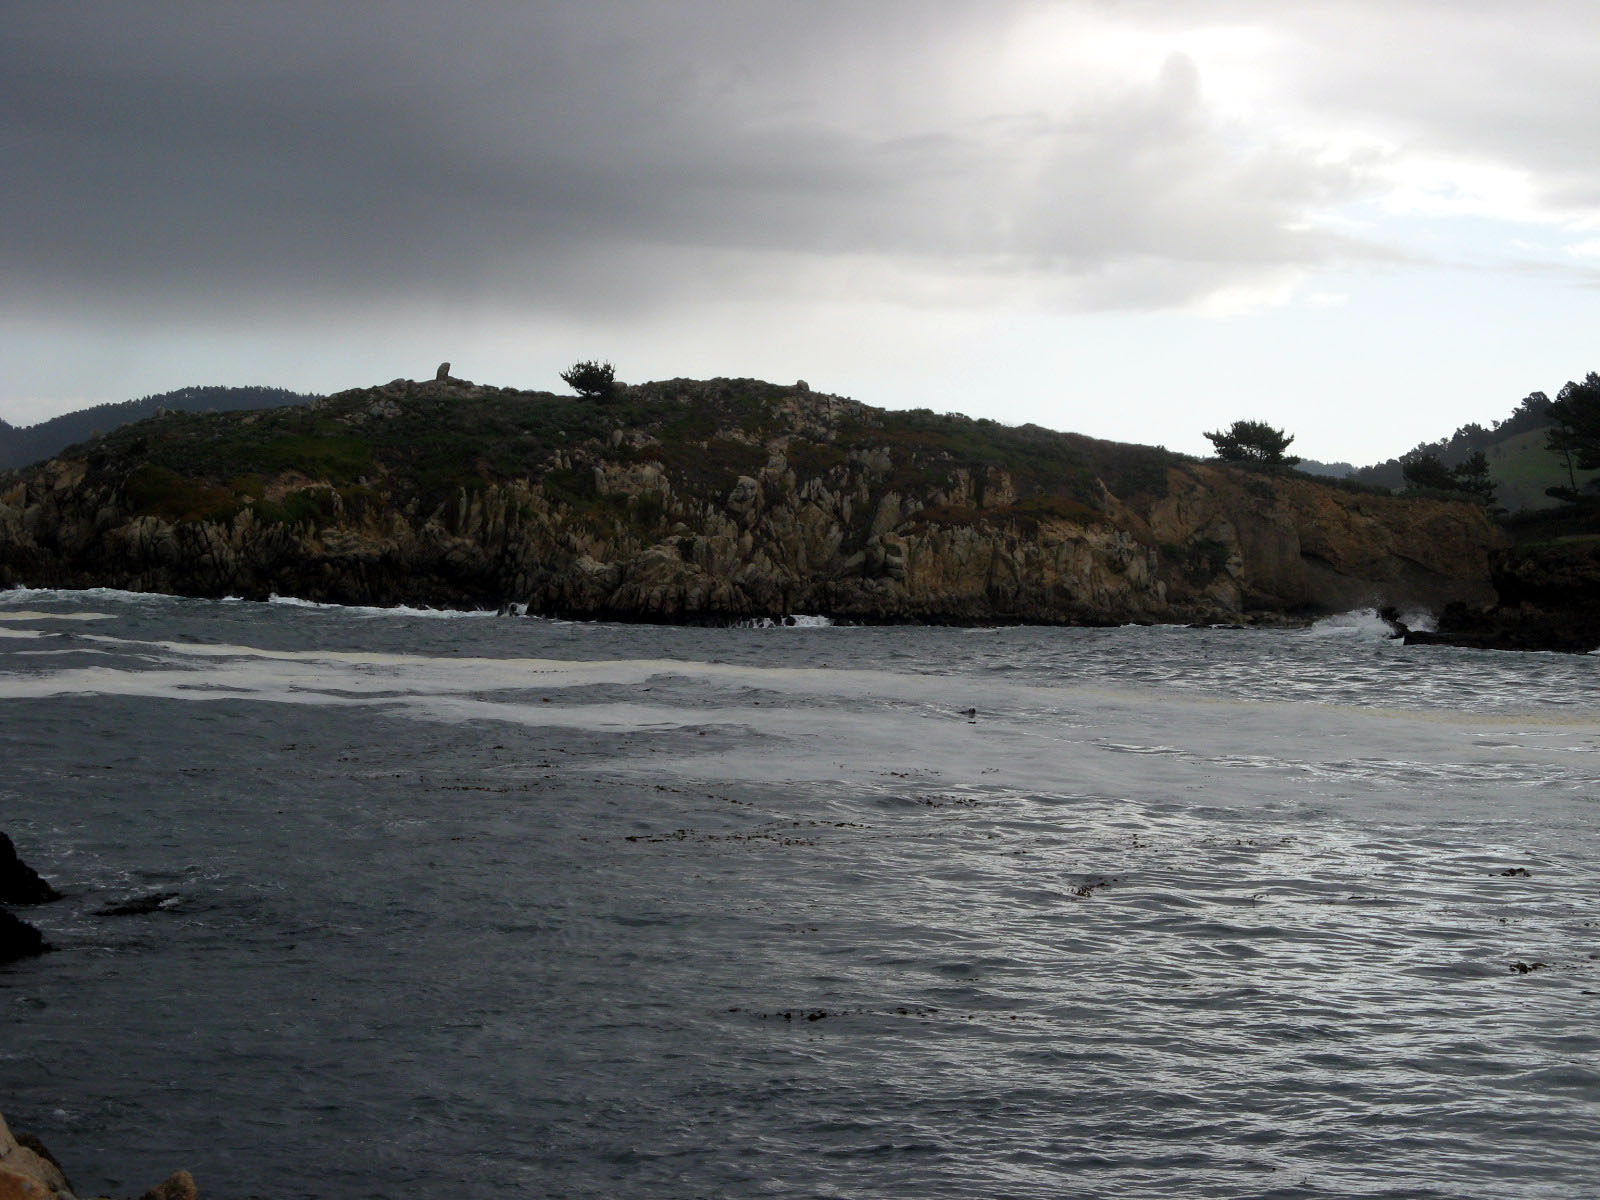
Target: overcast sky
column 1367, row 221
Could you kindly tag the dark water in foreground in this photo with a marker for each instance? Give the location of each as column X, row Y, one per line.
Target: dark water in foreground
column 499, row 907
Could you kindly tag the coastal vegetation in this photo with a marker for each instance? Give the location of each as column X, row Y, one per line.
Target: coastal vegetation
column 1575, row 436
column 1253, row 442
column 1424, row 472
column 591, row 379
column 1524, row 462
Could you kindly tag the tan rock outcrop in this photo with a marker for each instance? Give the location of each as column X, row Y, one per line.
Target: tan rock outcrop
column 26, row 1174
column 29, row 1172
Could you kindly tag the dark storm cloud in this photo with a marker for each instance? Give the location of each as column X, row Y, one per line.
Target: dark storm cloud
column 565, row 151
column 603, row 153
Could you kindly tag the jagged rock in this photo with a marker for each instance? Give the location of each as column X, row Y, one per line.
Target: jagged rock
column 27, row 1170
column 20, row 883
column 442, row 375
column 18, row 939
column 744, row 496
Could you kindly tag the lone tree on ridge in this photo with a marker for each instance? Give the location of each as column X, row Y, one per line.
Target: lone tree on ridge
column 1253, row 442
column 591, row 380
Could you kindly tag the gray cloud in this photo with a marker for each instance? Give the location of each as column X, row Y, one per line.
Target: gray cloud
column 616, row 156
column 554, row 153
column 1489, row 80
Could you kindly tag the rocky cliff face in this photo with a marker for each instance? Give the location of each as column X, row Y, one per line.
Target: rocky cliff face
column 712, row 501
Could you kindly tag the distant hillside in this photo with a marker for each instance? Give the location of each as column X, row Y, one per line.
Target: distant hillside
column 1524, row 467
column 1519, row 462
column 21, row 445
column 1327, row 470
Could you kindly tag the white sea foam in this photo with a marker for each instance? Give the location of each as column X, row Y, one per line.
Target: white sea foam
column 1359, row 622
column 1365, row 622
column 1419, row 619
column 878, row 728
column 20, row 594
column 24, row 614
column 362, row 610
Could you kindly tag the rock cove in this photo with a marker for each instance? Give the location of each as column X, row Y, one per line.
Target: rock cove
column 714, row 501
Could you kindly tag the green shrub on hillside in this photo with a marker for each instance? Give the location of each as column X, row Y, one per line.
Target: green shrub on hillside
column 161, row 492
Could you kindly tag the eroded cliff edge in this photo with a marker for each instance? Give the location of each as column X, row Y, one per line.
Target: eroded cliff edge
column 712, row 500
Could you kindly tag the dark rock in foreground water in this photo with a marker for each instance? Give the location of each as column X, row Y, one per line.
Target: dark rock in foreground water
column 139, row 905
column 20, row 883
column 18, row 939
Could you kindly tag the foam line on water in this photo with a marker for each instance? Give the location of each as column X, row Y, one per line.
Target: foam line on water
column 366, row 610
column 25, row 614
column 21, row 594
column 366, row 671
column 878, row 729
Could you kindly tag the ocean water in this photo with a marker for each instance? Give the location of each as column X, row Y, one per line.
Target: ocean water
column 489, row 906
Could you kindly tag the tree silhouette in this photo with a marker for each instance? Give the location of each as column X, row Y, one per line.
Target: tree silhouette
column 1576, row 435
column 1427, row 471
column 1253, row 442
column 1471, row 478
column 591, row 380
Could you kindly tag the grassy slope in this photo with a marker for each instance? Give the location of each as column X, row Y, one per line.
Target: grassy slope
column 1523, row 467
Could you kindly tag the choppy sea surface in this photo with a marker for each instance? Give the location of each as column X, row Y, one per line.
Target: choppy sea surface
column 467, row 905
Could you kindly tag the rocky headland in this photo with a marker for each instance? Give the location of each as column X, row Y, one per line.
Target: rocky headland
column 714, row 501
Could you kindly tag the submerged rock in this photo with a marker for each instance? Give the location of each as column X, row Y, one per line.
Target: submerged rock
column 139, row 905
column 20, row 883
column 177, row 1186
